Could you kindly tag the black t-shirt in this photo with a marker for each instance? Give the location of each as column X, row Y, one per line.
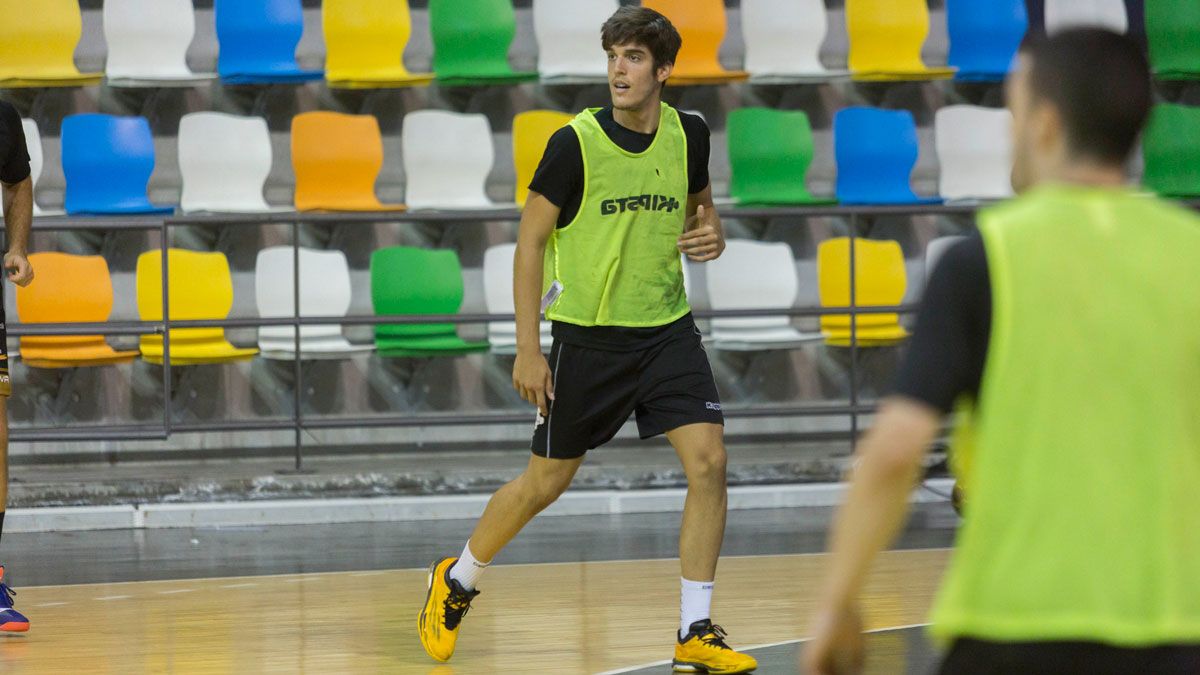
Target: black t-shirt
column 559, row 178
column 14, row 156
column 948, row 349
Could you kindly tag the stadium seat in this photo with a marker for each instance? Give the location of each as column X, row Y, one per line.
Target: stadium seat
column 886, row 37
column 498, row 296
column 107, row 162
column 148, row 42
column 984, row 37
column 1171, row 150
column 936, row 249
column 875, row 150
column 406, row 280
column 568, row 39
column 364, row 44
column 33, row 141
column 224, row 160
column 201, row 288
column 531, row 132
column 769, row 154
column 447, row 159
column 754, row 275
column 974, row 148
column 258, row 41
column 1063, row 14
column 880, row 280
column 783, row 41
column 702, row 25
column 324, row 292
column 37, row 48
column 1173, row 31
column 337, row 158
column 67, row 289
column 471, row 39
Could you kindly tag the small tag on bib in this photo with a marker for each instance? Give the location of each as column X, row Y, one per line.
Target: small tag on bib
column 555, row 290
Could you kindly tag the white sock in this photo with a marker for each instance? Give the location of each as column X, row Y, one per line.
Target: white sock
column 468, row 570
column 695, row 603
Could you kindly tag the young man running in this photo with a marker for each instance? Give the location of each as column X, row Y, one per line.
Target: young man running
column 620, row 192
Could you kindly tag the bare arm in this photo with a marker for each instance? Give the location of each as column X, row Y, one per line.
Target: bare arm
column 531, row 373
column 703, row 238
column 18, row 219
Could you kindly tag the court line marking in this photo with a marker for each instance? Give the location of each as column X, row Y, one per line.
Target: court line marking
column 52, row 604
column 114, row 597
column 667, row 662
column 177, row 591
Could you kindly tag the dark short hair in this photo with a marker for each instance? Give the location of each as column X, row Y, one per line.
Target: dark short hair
column 644, row 26
column 1100, row 83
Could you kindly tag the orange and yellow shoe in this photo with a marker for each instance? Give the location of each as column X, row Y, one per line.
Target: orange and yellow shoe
column 445, row 606
column 703, row 650
column 11, row 621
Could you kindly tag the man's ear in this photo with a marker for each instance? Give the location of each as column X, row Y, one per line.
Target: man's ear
column 1048, row 127
column 664, row 72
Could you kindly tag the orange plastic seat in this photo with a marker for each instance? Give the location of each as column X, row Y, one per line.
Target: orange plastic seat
column 531, row 132
column 337, row 158
column 67, row 289
column 702, row 25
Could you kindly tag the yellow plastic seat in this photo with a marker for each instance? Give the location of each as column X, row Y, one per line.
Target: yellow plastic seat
column 880, row 280
column 37, row 45
column 67, row 289
column 201, row 289
column 531, row 132
column 886, row 37
column 364, row 42
column 337, row 158
column 702, row 25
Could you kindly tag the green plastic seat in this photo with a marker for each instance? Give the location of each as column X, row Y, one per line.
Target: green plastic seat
column 769, row 154
column 1173, row 31
column 1171, row 147
column 471, row 40
column 406, row 280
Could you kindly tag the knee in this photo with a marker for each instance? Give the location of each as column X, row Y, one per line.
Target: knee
column 707, row 465
column 542, row 490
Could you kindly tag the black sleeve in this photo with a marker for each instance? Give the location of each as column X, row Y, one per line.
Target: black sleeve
column 559, row 176
column 15, row 167
column 698, row 148
column 948, row 349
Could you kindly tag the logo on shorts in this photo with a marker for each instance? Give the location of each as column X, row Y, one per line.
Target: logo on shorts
column 539, row 422
column 713, row 406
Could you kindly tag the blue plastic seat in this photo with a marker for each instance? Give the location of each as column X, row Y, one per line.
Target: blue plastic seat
column 258, row 41
column 875, row 151
column 107, row 161
column 984, row 37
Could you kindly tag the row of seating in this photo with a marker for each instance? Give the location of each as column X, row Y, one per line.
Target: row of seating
column 415, row 281
column 365, row 40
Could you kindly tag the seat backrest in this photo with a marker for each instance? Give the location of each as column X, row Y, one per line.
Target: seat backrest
column 337, row 158
column 407, row 280
column 886, row 35
column 753, row 275
column 324, row 289
column 447, row 159
column 33, row 142
column 702, row 25
column 880, row 280
column 783, row 36
column 974, row 148
column 39, row 42
column 257, row 36
column 1171, row 150
column 531, row 132
column 471, row 37
column 362, row 36
column 1173, row 31
column 200, row 283
column 936, row 249
column 568, row 36
column 769, row 154
column 148, row 38
column 107, row 161
column 498, row 278
column 984, row 36
column 68, row 288
column 876, row 151
column 224, row 161
column 1063, row 14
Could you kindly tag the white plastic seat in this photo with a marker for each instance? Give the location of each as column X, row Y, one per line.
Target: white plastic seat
column 755, row 275
column 1064, row 14
column 324, row 291
column 224, row 160
column 934, row 251
column 974, row 147
column 783, row 41
column 447, row 159
column 148, row 42
column 568, row 39
column 498, row 298
column 33, row 141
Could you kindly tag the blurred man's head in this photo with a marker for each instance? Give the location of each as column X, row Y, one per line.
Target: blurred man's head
column 641, row 45
column 1079, row 99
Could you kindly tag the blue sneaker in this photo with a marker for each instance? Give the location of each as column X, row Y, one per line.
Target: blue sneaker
column 11, row 621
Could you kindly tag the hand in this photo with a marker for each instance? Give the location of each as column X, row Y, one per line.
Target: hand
column 20, row 272
column 532, row 379
column 703, row 240
column 837, row 645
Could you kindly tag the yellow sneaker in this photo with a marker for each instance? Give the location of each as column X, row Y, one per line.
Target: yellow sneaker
column 445, row 606
column 703, row 650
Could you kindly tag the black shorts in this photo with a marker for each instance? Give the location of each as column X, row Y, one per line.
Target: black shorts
column 5, row 379
column 980, row 657
column 667, row 386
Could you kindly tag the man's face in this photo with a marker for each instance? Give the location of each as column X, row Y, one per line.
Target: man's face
column 632, row 78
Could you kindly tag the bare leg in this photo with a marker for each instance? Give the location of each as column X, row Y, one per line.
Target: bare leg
column 519, row 501
column 3, row 453
column 701, row 449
